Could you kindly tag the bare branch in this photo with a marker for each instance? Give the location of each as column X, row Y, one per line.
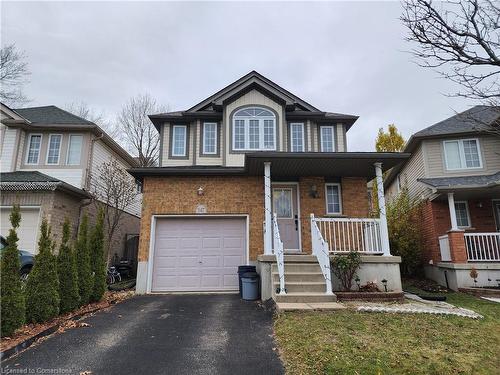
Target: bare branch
column 13, row 75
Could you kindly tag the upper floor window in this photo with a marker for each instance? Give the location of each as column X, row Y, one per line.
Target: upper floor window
column 210, row 138
column 54, row 149
column 34, row 146
column 327, row 136
column 462, row 154
column 297, row 137
column 333, row 201
column 74, row 149
column 179, row 140
column 254, row 129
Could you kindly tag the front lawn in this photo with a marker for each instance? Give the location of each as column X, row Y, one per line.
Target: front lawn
column 348, row 342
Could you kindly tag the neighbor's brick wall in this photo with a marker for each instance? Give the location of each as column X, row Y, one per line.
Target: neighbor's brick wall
column 222, row 195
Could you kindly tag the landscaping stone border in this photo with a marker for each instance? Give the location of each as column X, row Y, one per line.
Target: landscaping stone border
column 481, row 292
column 370, row 296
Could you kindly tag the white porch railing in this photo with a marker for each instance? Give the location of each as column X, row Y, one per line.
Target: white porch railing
column 351, row 234
column 483, row 247
column 279, row 253
column 444, row 248
column 320, row 249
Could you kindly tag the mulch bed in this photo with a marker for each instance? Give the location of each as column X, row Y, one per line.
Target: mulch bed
column 31, row 333
column 370, row 296
column 486, row 292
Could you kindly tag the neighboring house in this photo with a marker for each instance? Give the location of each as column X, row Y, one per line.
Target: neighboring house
column 50, row 162
column 228, row 165
column 455, row 170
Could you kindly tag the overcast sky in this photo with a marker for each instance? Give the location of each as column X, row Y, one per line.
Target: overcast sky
column 341, row 57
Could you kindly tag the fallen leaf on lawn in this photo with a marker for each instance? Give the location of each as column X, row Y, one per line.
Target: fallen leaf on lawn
column 84, row 325
column 88, row 372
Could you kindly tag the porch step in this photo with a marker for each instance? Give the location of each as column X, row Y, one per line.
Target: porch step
column 300, row 276
column 292, row 258
column 298, row 267
column 305, row 297
column 302, row 286
column 322, row 306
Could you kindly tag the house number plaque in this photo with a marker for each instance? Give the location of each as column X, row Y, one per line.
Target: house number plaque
column 201, row 209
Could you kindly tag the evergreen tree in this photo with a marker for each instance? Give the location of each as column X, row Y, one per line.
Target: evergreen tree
column 12, row 296
column 83, row 262
column 96, row 245
column 68, row 274
column 42, row 289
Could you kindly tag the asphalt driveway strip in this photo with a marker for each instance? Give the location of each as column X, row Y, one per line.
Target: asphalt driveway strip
column 161, row 334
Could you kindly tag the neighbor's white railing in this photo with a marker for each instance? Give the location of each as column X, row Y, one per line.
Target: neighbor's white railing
column 444, row 248
column 279, row 253
column 351, row 234
column 320, row 249
column 483, row 246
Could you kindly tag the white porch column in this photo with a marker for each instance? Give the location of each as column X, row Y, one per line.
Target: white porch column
column 268, row 234
column 384, row 231
column 453, row 213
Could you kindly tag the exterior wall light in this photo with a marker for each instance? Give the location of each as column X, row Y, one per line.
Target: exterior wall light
column 200, row 191
column 313, row 191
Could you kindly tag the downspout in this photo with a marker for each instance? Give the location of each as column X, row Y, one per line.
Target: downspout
column 89, row 161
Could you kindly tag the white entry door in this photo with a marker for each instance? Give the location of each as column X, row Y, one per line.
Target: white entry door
column 198, row 254
column 285, row 205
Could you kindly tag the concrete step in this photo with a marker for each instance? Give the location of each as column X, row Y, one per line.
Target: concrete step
column 300, row 258
column 322, row 306
column 300, row 276
column 304, row 297
column 298, row 267
column 303, row 286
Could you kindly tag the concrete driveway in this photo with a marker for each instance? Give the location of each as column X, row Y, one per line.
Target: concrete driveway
column 162, row 334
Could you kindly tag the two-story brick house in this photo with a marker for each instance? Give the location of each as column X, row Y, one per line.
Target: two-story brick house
column 50, row 162
column 455, row 171
column 240, row 175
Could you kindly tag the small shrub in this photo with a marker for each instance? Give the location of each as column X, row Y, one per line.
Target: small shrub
column 370, row 286
column 42, row 288
column 474, row 274
column 83, row 263
column 12, row 296
column 344, row 267
column 98, row 263
column 68, row 274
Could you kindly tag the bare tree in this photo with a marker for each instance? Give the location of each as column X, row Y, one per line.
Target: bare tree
column 83, row 110
column 13, row 75
column 138, row 131
column 461, row 40
column 117, row 190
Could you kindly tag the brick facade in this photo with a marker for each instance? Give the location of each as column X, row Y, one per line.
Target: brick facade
column 240, row 195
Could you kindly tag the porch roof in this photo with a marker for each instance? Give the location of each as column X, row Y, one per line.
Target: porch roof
column 466, row 186
column 291, row 165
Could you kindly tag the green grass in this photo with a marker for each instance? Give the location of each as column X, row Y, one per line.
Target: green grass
column 348, row 342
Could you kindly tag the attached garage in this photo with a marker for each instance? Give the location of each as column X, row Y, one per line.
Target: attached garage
column 28, row 229
column 197, row 254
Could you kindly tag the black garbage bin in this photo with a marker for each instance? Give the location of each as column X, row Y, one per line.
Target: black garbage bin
column 242, row 270
column 250, row 286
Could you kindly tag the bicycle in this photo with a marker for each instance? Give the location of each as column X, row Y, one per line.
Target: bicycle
column 113, row 276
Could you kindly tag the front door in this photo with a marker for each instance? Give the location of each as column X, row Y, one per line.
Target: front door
column 285, row 206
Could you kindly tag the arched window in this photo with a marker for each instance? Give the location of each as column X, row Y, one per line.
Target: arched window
column 254, row 128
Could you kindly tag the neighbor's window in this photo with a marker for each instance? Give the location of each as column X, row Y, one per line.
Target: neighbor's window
column 333, row 202
column 34, row 145
column 210, row 138
column 462, row 154
column 179, row 140
column 254, row 129
column 297, row 137
column 74, row 149
column 462, row 212
column 327, row 139
column 54, row 149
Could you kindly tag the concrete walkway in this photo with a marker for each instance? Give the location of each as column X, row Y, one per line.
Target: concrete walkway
column 168, row 334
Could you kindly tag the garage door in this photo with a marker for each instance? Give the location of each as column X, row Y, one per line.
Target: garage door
column 198, row 254
column 28, row 228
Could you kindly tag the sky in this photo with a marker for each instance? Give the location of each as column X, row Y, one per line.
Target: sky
column 346, row 57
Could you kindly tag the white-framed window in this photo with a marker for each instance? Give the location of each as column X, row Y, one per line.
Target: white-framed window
column 33, row 150
column 333, row 199
column 179, row 140
column 462, row 213
column 297, row 139
column 327, row 136
column 74, row 149
column 254, row 128
column 399, row 185
column 54, row 149
column 210, row 138
column 462, row 154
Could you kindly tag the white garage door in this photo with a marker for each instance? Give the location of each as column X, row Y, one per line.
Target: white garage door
column 198, row 254
column 28, row 229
